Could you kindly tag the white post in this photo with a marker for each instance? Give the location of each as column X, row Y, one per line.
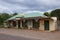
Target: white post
column 21, row 24
column 11, row 24
column 17, row 24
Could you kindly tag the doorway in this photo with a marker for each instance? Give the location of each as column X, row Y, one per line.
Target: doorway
column 14, row 23
column 18, row 24
column 46, row 24
column 36, row 24
column 24, row 24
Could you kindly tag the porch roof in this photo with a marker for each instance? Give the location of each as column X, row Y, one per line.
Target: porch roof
column 28, row 15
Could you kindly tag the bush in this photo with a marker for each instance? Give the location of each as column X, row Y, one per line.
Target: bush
column 1, row 26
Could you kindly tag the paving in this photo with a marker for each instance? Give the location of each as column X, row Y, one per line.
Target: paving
column 20, row 34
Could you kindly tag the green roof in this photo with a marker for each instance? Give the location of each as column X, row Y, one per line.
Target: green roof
column 11, row 18
column 35, row 14
column 27, row 15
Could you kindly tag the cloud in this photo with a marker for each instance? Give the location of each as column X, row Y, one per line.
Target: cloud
column 28, row 5
column 33, row 12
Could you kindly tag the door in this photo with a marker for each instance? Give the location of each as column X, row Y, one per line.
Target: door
column 24, row 24
column 36, row 24
column 46, row 24
column 18, row 24
column 29, row 23
column 14, row 23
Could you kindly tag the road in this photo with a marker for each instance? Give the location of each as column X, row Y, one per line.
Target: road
column 9, row 37
column 20, row 34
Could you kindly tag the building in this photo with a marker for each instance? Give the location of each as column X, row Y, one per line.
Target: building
column 33, row 20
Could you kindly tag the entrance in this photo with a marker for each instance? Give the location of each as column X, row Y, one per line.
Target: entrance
column 14, row 23
column 35, row 24
column 18, row 24
column 24, row 24
column 46, row 24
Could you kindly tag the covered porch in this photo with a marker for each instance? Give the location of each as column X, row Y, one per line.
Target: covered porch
column 34, row 23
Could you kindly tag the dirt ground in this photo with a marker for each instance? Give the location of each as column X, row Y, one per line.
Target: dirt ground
column 39, row 35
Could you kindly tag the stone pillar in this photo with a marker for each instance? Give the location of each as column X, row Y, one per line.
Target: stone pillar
column 53, row 25
column 41, row 24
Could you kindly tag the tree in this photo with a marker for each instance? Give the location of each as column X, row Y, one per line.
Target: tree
column 47, row 14
column 56, row 13
column 15, row 14
column 3, row 17
column 1, row 20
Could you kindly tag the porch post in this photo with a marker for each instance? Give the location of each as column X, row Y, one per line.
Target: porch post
column 17, row 24
column 21, row 23
column 31, row 24
column 11, row 24
column 5, row 25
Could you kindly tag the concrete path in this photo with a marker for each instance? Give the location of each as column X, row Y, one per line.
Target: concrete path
column 29, row 34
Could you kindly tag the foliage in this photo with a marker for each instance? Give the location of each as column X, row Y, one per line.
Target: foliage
column 47, row 14
column 14, row 14
column 56, row 13
column 3, row 17
column 1, row 26
column 1, row 20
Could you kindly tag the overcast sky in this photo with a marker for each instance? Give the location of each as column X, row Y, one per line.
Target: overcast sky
column 28, row 5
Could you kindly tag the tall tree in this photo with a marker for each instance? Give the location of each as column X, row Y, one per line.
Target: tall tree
column 3, row 17
column 56, row 13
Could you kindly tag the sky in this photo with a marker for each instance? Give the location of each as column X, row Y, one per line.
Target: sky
column 11, row 6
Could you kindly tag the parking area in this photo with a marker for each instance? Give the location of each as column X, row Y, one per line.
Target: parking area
column 30, row 34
